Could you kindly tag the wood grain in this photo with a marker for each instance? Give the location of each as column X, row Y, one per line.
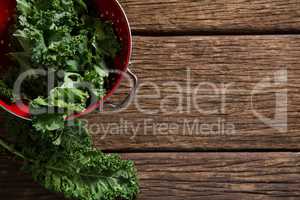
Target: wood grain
column 170, row 70
column 189, row 176
column 206, row 16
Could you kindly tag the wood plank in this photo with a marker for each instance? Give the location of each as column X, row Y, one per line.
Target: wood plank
column 170, row 70
column 222, row 16
column 189, row 176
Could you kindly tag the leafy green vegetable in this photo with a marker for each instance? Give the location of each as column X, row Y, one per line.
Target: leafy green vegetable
column 71, row 99
column 65, row 39
column 71, row 166
column 48, row 122
column 63, row 35
column 5, row 92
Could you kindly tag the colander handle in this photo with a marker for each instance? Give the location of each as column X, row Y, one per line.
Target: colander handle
column 123, row 104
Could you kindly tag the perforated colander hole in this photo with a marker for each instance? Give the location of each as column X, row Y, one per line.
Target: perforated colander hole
column 106, row 12
column 2, row 42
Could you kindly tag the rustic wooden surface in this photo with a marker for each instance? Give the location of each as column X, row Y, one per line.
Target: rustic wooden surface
column 207, row 16
column 222, row 42
column 240, row 61
column 195, row 176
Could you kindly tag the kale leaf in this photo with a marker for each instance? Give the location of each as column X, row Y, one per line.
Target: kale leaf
column 64, row 37
column 71, row 166
column 5, row 92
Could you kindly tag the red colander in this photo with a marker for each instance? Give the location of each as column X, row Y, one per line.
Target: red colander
column 110, row 10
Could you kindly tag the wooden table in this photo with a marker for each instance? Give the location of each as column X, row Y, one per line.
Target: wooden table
column 245, row 56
